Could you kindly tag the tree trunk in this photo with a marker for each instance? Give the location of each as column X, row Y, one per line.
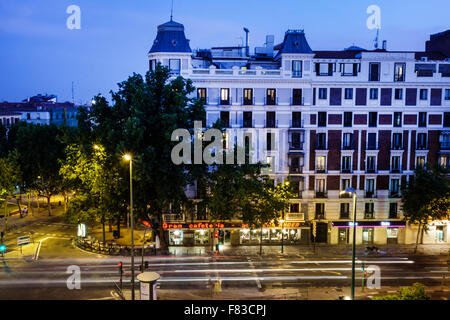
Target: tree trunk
column 109, row 225
column 49, row 206
column 118, row 226
column 260, row 242
column 103, row 228
column 417, row 238
column 421, row 233
column 19, row 202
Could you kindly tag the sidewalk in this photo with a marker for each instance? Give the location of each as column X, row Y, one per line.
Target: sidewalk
column 318, row 251
column 271, row 293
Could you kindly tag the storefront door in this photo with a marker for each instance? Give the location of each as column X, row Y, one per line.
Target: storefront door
column 367, row 235
column 343, row 235
column 392, row 235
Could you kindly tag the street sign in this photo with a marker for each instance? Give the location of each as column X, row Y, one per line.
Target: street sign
column 21, row 241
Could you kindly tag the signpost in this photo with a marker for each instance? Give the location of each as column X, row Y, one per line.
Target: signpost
column 22, row 241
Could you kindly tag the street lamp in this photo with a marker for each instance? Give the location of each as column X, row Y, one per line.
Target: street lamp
column 351, row 191
column 282, row 236
column 128, row 157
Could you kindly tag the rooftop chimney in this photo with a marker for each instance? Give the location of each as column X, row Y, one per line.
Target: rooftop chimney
column 246, row 41
column 384, row 45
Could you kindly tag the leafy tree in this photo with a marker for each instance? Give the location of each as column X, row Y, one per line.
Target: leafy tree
column 421, row 196
column 145, row 112
column 415, row 292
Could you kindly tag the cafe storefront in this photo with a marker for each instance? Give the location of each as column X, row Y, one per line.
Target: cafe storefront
column 203, row 234
column 368, row 232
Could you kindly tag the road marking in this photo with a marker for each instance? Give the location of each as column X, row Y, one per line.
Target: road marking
column 38, row 250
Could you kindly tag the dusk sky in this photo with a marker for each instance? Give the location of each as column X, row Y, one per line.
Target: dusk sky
column 40, row 55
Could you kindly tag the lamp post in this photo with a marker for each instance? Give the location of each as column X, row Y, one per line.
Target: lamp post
column 352, row 192
column 282, row 235
column 128, row 158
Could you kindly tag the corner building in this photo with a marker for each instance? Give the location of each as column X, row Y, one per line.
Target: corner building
column 328, row 120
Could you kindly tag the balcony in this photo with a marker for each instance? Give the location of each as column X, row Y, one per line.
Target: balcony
column 346, row 170
column 321, row 146
column 371, row 170
column 321, row 194
column 393, row 215
column 396, row 170
column 295, row 146
column 173, row 217
column 397, row 147
column 370, row 194
column 248, row 124
column 344, row 195
column 321, row 170
column 369, row 215
column 271, row 123
column 445, row 145
column 271, row 102
column 297, row 123
column 372, row 147
column 320, row 216
column 248, row 102
column 295, row 170
column 297, row 101
column 295, row 216
column 394, row 194
column 344, row 215
column 421, row 147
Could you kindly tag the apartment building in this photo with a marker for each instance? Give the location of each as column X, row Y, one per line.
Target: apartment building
column 327, row 120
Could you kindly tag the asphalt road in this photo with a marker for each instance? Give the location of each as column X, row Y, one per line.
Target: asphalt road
column 46, row 278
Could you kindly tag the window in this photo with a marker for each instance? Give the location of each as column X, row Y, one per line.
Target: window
column 347, row 141
column 297, row 68
column 294, row 208
column 444, row 161
column 225, row 119
column 271, row 97
column 345, row 184
column 370, row 165
column 297, row 97
column 395, row 187
column 152, row 64
column 270, row 137
column 422, row 119
column 397, row 119
column 348, row 93
column 270, row 119
column 373, row 94
column 349, row 69
column 374, row 71
column 296, row 164
column 395, row 164
column 28, row 116
column 398, row 94
column 421, row 141
column 345, row 211
column 446, row 119
column 296, row 140
column 322, row 93
column 348, row 117
column 370, row 188
column 201, row 94
column 423, row 94
column 324, row 69
column 321, row 143
column 420, row 161
column 320, row 210
column 373, row 119
column 248, row 123
column 346, row 164
column 368, row 210
column 393, row 208
column 447, row 94
column 397, row 141
column 248, row 97
column 174, row 66
column 322, row 119
column 296, row 119
column 224, row 96
column 320, row 163
column 425, row 69
column 444, row 140
column 371, row 141
column 399, row 72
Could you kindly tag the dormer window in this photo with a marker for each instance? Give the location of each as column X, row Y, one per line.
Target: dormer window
column 297, row 68
column 174, row 65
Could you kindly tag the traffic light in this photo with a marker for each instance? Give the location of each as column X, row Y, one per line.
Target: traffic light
column 2, row 235
column 121, row 274
column 2, row 248
column 314, row 229
column 216, row 235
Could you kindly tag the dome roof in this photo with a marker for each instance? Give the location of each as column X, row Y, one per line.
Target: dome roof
column 171, row 38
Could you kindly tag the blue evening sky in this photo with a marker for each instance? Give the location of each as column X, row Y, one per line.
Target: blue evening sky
column 38, row 54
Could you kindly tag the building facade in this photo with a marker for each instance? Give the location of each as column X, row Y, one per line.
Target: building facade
column 327, row 120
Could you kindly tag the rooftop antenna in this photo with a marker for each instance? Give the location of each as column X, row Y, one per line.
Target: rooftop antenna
column 73, row 99
column 171, row 12
column 376, row 39
column 246, row 41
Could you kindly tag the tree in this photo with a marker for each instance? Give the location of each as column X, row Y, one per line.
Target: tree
column 39, row 151
column 145, row 112
column 424, row 197
column 415, row 292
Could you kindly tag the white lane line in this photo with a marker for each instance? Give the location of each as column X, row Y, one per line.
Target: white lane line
column 38, row 250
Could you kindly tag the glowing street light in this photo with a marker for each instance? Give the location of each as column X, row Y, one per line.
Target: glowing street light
column 129, row 158
column 352, row 192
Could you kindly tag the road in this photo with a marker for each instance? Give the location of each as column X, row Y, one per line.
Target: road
column 243, row 277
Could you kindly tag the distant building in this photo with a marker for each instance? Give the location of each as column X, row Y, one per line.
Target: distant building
column 350, row 118
column 42, row 110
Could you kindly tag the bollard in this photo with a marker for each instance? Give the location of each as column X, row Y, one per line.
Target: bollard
column 148, row 285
